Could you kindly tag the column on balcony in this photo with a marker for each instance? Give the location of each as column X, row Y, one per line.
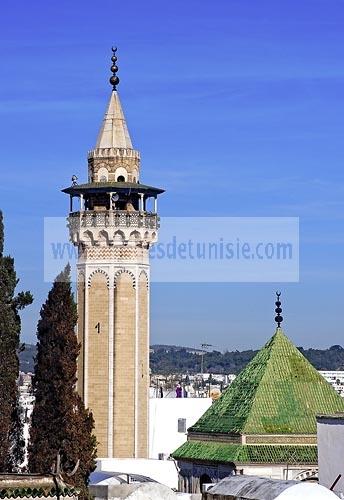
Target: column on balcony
column 141, row 202
column 112, row 206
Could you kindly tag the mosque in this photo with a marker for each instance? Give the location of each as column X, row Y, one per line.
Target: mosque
column 264, row 423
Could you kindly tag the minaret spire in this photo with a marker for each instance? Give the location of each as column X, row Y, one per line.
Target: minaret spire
column 278, row 310
column 114, row 131
column 114, row 80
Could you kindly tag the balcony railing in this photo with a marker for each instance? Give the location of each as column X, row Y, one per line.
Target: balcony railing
column 113, row 218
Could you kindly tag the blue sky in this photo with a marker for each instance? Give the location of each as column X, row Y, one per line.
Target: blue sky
column 239, row 103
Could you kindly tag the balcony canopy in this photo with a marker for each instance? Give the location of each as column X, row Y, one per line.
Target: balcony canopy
column 112, row 187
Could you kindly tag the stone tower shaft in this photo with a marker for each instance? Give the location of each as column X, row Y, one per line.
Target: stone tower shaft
column 113, row 228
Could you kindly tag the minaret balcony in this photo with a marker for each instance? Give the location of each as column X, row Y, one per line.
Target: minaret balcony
column 89, row 226
column 113, row 218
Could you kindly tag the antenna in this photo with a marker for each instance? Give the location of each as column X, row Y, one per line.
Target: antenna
column 204, row 350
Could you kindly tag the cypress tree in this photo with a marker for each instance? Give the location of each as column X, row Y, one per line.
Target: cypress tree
column 1, row 234
column 11, row 428
column 60, row 422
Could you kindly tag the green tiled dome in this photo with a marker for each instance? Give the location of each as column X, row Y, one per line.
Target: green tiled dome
column 279, row 392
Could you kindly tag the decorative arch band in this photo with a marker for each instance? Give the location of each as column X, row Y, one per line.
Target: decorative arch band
column 98, row 271
column 81, row 277
column 145, row 276
column 121, row 271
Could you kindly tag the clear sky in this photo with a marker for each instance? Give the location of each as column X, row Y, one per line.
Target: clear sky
column 237, row 107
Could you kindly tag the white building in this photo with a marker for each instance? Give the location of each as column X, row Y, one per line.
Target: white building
column 330, row 432
column 169, row 419
column 26, row 402
column 335, row 378
column 163, row 471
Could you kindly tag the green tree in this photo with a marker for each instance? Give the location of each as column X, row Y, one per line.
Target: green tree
column 11, row 428
column 60, row 422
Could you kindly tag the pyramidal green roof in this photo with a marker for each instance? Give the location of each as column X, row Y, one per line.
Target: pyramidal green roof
column 279, row 392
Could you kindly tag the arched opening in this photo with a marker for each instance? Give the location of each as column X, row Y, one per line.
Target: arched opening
column 87, row 238
column 204, row 479
column 119, row 236
column 135, row 236
column 103, row 174
column 103, row 238
column 121, row 174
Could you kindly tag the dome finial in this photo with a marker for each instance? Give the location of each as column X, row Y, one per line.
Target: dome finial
column 114, row 80
column 278, row 310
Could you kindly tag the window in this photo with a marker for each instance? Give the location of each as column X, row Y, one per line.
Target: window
column 182, row 425
column 121, row 174
column 204, row 479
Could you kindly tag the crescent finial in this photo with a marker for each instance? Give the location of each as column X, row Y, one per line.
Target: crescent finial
column 114, row 80
column 278, row 310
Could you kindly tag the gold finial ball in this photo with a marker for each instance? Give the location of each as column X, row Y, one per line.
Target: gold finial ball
column 114, row 68
column 114, row 80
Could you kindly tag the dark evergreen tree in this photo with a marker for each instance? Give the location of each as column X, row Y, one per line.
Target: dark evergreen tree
column 11, row 428
column 60, row 422
column 16, row 439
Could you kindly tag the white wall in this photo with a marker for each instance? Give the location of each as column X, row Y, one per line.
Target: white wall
column 274, row 471
column 163, row 422
column 331, row 451
column 163, row 471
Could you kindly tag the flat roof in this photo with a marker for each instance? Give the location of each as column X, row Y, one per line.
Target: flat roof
column 335, row 416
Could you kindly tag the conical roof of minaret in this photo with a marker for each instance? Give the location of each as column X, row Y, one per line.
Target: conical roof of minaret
column 114, row 131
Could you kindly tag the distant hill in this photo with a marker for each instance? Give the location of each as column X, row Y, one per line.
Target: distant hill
column 172, row 348
column 182, row 359
column 167, row 359
column 26, row 358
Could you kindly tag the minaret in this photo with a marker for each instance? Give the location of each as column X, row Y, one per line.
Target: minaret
column 113, row 229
